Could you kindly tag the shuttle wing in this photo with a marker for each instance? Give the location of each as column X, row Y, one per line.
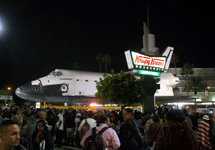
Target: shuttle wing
column 168, row 54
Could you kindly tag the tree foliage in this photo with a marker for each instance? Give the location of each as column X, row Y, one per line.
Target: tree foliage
column 99, row 57
column 175, row 60
column 106, row 59
column 120, row 88
column 187, row 70
column 196, row 84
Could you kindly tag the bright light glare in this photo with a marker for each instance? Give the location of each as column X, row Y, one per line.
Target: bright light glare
column 93, row 104
column 3, row 29
column 1, row 25
column 198, row 100
column 205, row 103
column 213, row 99
column 180, row 104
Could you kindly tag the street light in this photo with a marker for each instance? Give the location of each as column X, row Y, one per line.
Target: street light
column 9, row 88
column 207, row 94
column 2, row 26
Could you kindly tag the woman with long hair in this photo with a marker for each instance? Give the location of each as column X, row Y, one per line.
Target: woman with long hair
column 41, row 137
column 179, row 135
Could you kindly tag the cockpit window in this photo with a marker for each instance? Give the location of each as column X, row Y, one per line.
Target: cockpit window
column 58, row 73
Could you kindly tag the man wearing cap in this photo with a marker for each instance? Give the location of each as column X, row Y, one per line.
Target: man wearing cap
column 203, row 132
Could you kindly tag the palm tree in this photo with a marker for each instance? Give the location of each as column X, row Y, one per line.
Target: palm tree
column 175, row 60
column 99, row 57
column 76, row 66
column 107, row 60
column 196, row 85
column 186, row 70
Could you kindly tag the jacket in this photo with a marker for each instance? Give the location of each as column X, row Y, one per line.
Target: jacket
column 26, row 136
column 31, row 123
column 128, row 135
column 19, row 147
column 45, row 136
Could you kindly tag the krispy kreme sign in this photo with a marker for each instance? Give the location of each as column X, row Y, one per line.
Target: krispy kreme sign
column 143, row 62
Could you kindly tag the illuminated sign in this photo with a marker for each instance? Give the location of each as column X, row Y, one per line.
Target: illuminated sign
column 37, row 104
column 143, row 62
column 152, row 73
column 149, row 65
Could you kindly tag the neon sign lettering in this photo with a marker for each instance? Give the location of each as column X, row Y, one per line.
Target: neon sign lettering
column 148, row 61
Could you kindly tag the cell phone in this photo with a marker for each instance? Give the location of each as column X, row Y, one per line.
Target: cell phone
column 210, row 111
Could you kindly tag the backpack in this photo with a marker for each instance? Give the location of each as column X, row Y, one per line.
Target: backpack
column 141, row 137
column 94, row 142
column 84, row 129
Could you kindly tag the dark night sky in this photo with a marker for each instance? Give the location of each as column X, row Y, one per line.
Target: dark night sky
column 41, row 36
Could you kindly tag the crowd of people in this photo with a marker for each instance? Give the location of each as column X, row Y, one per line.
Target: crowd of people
column 44, row 129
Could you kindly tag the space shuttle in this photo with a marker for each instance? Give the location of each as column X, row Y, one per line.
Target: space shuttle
column 62, row 86
column 80, row 86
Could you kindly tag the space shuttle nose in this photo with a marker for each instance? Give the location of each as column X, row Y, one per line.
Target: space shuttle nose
column 18, row 91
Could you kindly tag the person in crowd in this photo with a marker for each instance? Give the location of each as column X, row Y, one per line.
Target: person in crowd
column 60, row 129
column 117, row 126
column 149, row 121
column 212, row 131
column 23, row 133
column 112, row 121
column 98, row 113
column 31, row 121
column 90, row 120
column 41, row 137
column 179, row 135
column 109, row 137
column 70, row 128
column 155, row 130
column 77, row 123
column 24, row 125
column 128, row 132
column 52, row 120
column 203, row 133
column 163, row 121
column 9, row 136
column 194, row 120
column 7, row 114
column 200, row 115
column 187, row 118
column 159, row 110
column 41, row 115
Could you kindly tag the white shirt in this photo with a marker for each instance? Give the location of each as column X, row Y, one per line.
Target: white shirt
column 60, row 119
column 91, row 121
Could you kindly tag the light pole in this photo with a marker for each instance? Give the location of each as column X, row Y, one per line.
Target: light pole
column 206, row 95
column 8, row 95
